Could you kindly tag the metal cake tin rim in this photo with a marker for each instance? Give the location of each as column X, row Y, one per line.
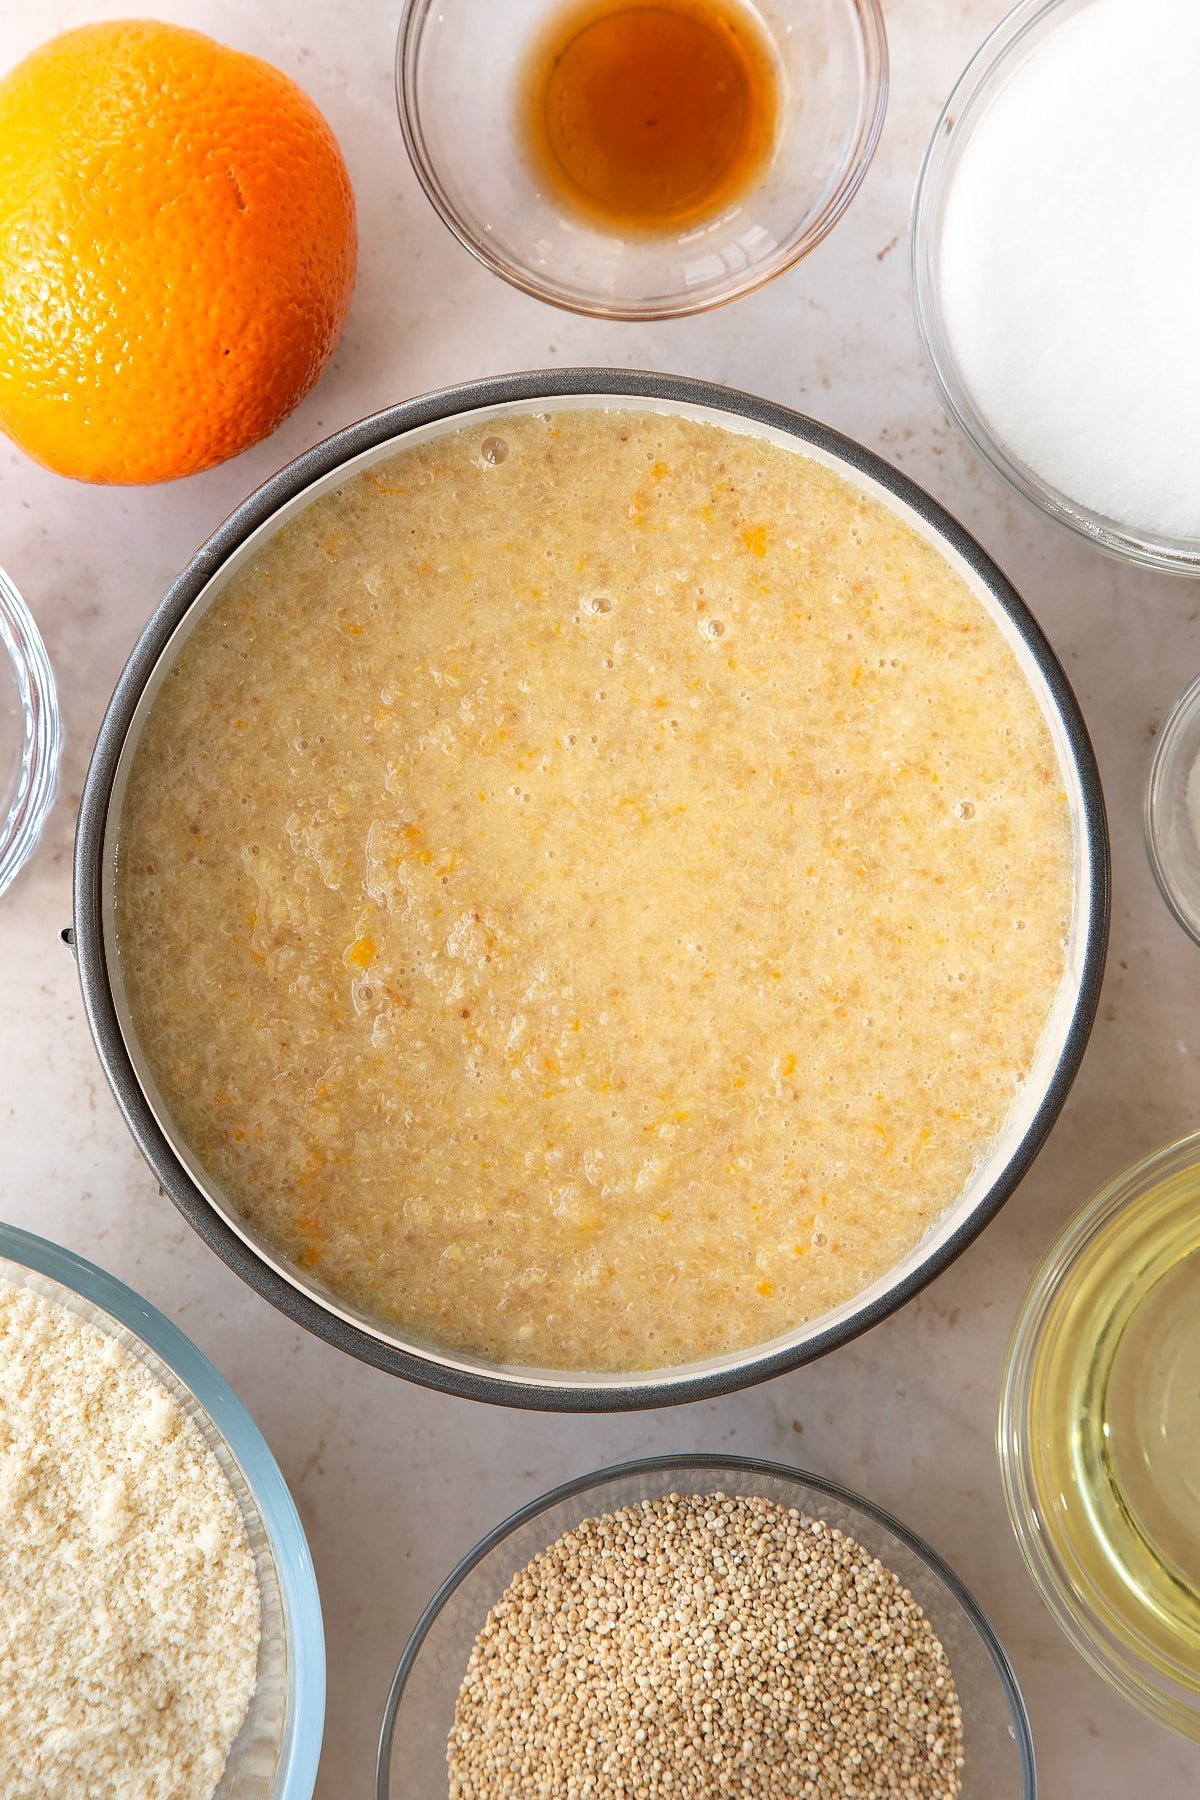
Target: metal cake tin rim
column 505, row 1387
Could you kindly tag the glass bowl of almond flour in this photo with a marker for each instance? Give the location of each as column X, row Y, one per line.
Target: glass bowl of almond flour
column 591, row 890
column 671, row 1626
column 160, row 1628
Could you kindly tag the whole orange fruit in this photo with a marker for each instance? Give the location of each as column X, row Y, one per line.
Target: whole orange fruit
column 177, row 251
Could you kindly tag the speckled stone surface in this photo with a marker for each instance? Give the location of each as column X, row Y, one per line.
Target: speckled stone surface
column 394, row 1484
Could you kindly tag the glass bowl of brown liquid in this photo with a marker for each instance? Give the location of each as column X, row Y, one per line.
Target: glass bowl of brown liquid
column 639, row 160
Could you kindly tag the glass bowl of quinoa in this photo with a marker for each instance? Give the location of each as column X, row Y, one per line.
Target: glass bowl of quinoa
column 710, row 1626
column 160, row 1627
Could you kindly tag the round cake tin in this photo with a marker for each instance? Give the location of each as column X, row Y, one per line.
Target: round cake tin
column 1171, row 810
column 275, row 1754
column 997, row 1745
column 458, row 65
column 30, row 733
column 1017, row 39
column 1097, row 1433
column 296, row 1292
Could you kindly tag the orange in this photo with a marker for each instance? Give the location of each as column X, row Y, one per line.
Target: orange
column 177, row 251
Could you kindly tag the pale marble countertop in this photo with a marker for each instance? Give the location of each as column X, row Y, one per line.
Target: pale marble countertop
column 395, row 1483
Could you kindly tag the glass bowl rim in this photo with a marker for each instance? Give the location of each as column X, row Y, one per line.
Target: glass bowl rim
column 1183, row 710
column 1071, row 1611
column 871, row 111
column 1178, row 556
column 668, row 1464
column 42, row 731
column 573, row 1391
column 253, row 1455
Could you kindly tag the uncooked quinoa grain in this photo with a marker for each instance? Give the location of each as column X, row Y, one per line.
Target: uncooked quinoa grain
column 129, row 1605
column 703, row 1645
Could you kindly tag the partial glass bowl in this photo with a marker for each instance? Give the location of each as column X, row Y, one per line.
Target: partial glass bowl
column 458, row 71
column 997, row 1747
column 1013, row 43
column 275, row 1754
column 1171, row 810
column 30, row 733
column 1098, row 1433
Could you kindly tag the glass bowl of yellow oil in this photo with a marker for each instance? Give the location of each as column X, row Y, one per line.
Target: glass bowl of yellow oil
column 1099, row 1433
column 641, row 159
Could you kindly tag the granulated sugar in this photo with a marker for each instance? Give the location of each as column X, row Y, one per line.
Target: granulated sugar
column 1070, row 262
column 706, row 1646
column 129, row 1605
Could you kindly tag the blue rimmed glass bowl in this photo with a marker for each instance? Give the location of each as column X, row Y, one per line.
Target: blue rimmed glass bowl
column 275, row 1754
column 1171, row 810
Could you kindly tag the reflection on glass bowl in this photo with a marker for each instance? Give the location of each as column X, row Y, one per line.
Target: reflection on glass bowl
column 30, row 733
column 1171, row 810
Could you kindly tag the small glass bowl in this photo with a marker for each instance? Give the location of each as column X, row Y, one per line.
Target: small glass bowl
column 1171, row 810
column 1098, row 1417
column 1017, row 38
column 275, row 1754
column 458, row 69
column 30, row 733
column 997, row 1747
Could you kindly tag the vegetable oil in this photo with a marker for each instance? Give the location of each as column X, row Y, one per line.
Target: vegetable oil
column 1114, row 1426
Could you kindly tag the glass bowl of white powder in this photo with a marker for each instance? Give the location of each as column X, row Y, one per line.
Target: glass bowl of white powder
column 1055, row 272
column 160, row 1628
column 1171, row 811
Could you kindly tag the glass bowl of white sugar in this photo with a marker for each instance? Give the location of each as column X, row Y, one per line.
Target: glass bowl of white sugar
column 160, row 1626
column 1171, row 811
column 1055, row 267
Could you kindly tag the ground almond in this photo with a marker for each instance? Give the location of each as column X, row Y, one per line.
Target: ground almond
column 129, row 1604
